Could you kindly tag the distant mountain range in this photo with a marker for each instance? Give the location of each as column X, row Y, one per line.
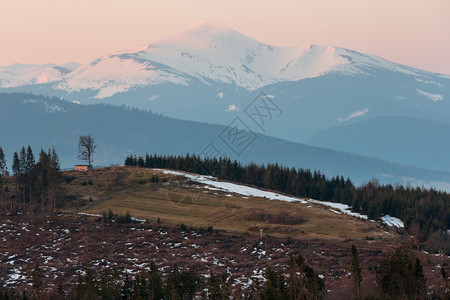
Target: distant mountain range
column 410, row 141
column 211, row 73
column 119, row 131
column 23, row 75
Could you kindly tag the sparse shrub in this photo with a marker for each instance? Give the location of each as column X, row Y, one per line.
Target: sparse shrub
column 183, row 227
column 124, row 219
column 283, row 217
column 121, row 219
column 69, row 179
column 226, row 246
column 110, row 215
column 155, row 178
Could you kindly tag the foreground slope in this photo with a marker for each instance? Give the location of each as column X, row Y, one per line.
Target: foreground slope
column 189, row 226
column 176, row 199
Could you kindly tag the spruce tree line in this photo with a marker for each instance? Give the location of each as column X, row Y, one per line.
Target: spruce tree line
column 423, row 211
column 36, row 184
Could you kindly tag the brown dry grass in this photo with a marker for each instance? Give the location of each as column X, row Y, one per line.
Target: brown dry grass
column 175, row 200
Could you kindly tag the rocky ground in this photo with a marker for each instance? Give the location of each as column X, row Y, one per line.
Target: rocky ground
column 65, row 245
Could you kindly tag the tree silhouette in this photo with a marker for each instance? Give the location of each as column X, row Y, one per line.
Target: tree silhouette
column 86, row 148
column 356, row 271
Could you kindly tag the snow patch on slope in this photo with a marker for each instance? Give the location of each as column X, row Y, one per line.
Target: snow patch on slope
column 354, row 115
column 429, row 82
column 233, row 187
column 433, row 97
column 392, row 221
column 114, row 74
column 49, row 108
column 340, row 207
column 232, row 107
column 213, row 184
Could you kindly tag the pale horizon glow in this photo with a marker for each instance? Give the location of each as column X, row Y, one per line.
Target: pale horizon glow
column 410, row 32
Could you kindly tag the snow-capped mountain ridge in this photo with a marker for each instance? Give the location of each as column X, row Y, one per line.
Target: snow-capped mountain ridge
column 21, row 74
column 213, row 52
column 210, row 53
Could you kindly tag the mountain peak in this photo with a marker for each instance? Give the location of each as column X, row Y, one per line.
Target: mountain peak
column 202, row 36
column 209, row 28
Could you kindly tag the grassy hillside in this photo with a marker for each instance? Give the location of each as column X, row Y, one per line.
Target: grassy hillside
column 175, row 200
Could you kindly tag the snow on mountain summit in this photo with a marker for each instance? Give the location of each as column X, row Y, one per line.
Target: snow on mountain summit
column 211, row 53
column 21, row 74
column 219, row 53
column 208, row 52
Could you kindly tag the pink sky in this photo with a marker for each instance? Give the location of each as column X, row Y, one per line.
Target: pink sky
column 412, row 32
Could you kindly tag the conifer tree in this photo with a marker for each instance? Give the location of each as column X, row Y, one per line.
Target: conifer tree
column 109, row 287
column 3, row 167
column 30, row 172
column 155, row 281
column 16, row 168
column 356, row 271
column 275, row 286
column 42, row 170
column 3, row 174
column 400, row 276
column 23, row 172
column 419, row 279
column 217, row 287
column 37, row 280
column 54, row 177
column 303, row 282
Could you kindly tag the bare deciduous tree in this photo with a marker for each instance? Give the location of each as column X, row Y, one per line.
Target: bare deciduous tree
column 86, row 148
